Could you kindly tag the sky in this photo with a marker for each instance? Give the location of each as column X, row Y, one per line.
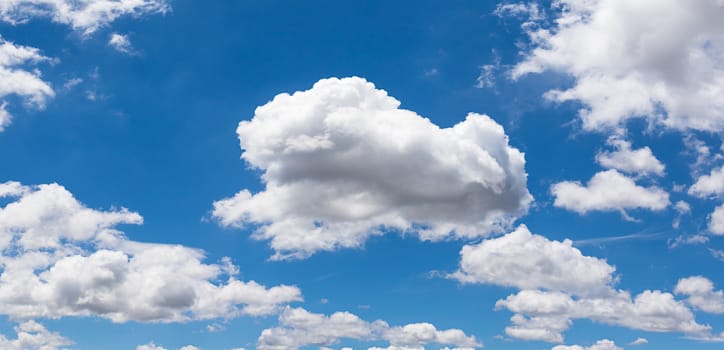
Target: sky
column 405, row 175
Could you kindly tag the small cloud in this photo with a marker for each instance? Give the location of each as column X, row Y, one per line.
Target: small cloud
column 432, row 72
column 486, row 79
column 324, row 301
column 71, row 83
column 121, row 43
column 719, row 254
column 688, row 240
column 639, row 341
column 5, row 116
column 215, row 327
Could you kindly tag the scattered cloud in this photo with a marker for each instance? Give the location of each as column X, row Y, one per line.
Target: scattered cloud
column 637, row 162
column 60, row 258
column 86, row 16
column 701, row 294
column 604, row 344
column 528, row 261
column 608, row 191
column 17, row 78
column 324, row 192
column 639, row 341
column 31, row 335
column 558, row 284
column 711, row 185
column 299, row 328
column 121, row 43
column 658, row 60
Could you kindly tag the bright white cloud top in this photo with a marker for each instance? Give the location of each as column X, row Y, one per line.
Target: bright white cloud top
column 31, row 335
column 659, row 60
column 559, row 284
column 528, row 261
column 298, row 328
column 83, row 15
column 603, row 344
column 18, row 78
column 342, row 162
column 60, row 258
column 634, row 161
column 608, row 191
column 701, row 294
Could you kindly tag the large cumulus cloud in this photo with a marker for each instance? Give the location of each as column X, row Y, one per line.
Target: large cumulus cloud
column 342, row 161
column 60, row 258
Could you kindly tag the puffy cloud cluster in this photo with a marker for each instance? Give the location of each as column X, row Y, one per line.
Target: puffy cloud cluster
column 544, row 315
column 608, row 191
column 701, row 294
column 153, row 346
column 559, row 284
column 341, row 162
column 84, row 15
column 658, row 60
column 60, row 258
column 121, row 43
column 33, row 336
column 603, row 344
column 529, row 261
column 19, row 79
column 633, row 161
column 298, row 328
column 712, row 186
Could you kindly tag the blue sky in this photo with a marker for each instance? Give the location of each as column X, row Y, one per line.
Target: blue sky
column 512, row 175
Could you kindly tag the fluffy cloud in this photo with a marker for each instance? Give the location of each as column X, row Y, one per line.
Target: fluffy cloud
column 84, row 15
column 710, row 185
column 659, row 60
column 60, row 258
column 559, row 284
column 639, row 161
column 298, row 328
column 33, row 336
column 716, row 221
column 701, row 294
column 153, row 346
column 541, row 315
column 603, row 344
column 639, row 341
column 17, row 78
column 341, row 162
column 528, row 261
column 121, row 43
column 608, row 191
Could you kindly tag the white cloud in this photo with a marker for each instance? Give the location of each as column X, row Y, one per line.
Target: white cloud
column 298, row 328
column 17, row 78
column 603, row 344
column 33, row 336
column 559, row 284
column 528, row 10
column 710, row 185
column 121, row 43
column 639, row 341
column 60, row 258
column 541, row 315
column 661, row 60
column 342, row 162
column 528, row 261
column 638, row 162
column 716, row 221
column 608, row 191
column 701, row 294
column 84, row 15
column 150, row 346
